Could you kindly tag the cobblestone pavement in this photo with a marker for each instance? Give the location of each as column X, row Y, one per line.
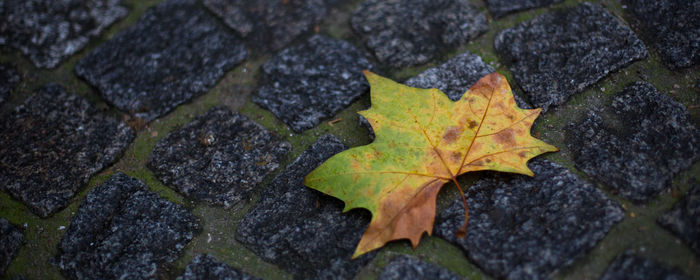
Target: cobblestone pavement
column 169, row 139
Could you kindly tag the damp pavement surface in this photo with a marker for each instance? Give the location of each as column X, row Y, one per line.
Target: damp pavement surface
column 169, row 139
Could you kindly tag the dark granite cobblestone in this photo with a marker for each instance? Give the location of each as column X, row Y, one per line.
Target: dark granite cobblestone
column 636, row 146
column 52, row 144
column 219, row 157
column 409, row 268
column 412, row 32
column 499, row 8
column 309, row 82
column 10, row 241
column 671, row 27
column 176, row 51
column 302, row 230
column 684, row 219
column 560, row 53
column 9, row 77
column 628, row 266
column 124, row 231
column 269, row 25
column 206, row 267
column 50, row 31
column 528, row 227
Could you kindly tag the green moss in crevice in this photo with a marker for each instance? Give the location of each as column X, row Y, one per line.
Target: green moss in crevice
column 432, row 250
column 217, row 238
column 639, row 230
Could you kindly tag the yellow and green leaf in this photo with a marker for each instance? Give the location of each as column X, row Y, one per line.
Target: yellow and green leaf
column 424, row 140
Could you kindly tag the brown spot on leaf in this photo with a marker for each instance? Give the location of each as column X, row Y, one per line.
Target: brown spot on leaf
column 452, row 133
column 355, row 164
column 436, row 166
column 472, row 124
column 505, row 137
column 500, row 105
column 488, row 83
column 456, row 156
column 522, row 154
column 378, row 154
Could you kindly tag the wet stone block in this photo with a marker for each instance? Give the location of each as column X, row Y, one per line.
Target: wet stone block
column 49, row 31
column 309, row 82
column 411, row 32
column 10, row 241
column 628, row 266
column 672, row 27
column 52, row 144
column 124, row 231
column 302, row 230
column 560, row 53
column 219, row 157
column 9, row 77
column 524, row 227
column 409, row 268
column 499, row 8
column 269, row 25
column 176, row 51
column 646, row 138
column 684, row 219
column 205, row 267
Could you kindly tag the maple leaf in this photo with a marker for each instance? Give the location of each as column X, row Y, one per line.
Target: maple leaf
column 424, row 140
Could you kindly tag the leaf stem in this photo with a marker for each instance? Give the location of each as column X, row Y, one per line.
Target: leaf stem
column 462, row 231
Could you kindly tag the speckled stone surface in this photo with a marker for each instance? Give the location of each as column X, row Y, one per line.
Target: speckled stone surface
column 9, row 77
column 684, row 219
column 302, row 230
column 219, row 157
column 628, row 266
column 52, row 144
column 499, row 8
column 269, row 25
column 124, row 231
column 524, row 227
column 671, row 27
column 560, row 53
column 175, row 51
column 10, row 241
column 313, row 81
column 206, row 267
column 409, row 268
column 50, row 31
column 637, row 145
column 411, row 32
